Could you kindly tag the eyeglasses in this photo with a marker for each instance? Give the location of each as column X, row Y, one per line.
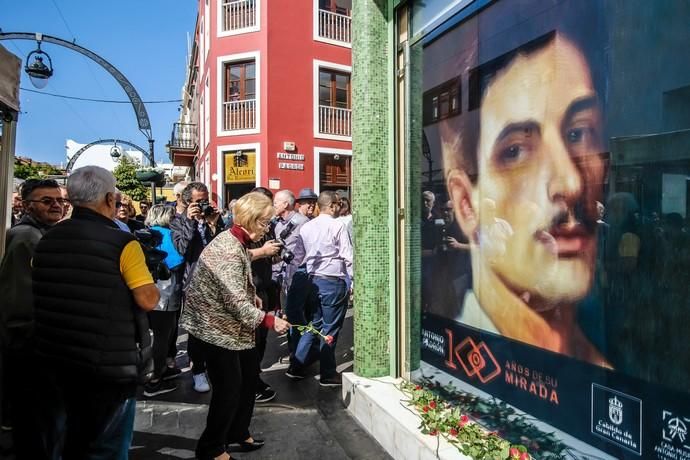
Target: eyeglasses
column 49, row 201
column 118, row 204
column 263, row 223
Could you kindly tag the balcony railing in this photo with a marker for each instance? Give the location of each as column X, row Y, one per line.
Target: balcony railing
column 335, row 26
column 184, row 136
column 335, row 121
column 239, row 115
column 238, row 15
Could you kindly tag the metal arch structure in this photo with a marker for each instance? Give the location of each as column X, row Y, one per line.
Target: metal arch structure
column 78, row 153
column 137, row 104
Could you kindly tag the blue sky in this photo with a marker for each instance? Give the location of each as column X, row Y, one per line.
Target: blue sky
column 145, row 39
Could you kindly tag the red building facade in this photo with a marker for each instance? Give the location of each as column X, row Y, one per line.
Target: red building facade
column 267, row 98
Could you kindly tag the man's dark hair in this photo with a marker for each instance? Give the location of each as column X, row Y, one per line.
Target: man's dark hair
column 264, row 191
column 32, row 184
column 192, row 186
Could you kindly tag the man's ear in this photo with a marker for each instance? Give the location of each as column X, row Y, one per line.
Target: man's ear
column 460, row 190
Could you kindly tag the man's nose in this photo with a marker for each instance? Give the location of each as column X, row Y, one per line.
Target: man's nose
column 565, row 181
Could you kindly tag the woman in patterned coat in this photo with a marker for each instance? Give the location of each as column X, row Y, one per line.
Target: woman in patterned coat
column 221, row 313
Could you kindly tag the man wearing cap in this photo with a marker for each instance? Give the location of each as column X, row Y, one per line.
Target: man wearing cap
column 306, row 202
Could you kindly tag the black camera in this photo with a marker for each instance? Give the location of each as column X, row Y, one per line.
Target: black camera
column 149, row 240
column 206, row 208
column 286, row 255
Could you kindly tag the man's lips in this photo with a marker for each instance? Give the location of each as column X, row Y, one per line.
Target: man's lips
column 565, row 240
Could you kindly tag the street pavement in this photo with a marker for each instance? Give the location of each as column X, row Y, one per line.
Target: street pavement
column 303, row 422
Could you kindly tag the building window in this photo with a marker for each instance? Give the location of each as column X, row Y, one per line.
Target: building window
column 442, row 101
column 239, row 95
column 238, row 16
column 334, row 21
column 335, row 171
column 335, row 115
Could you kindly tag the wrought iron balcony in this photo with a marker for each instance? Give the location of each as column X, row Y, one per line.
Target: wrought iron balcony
column 335, row 26
column 238, row 15
column 239, row 115
column 335, row 121
column 185, row 136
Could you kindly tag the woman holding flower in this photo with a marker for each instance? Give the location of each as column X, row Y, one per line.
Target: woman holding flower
column 221, row 314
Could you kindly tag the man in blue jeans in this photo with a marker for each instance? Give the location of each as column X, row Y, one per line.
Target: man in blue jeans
column 91, row 290
column 325, row 250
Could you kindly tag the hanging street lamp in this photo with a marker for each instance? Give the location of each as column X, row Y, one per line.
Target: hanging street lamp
column 38, row 71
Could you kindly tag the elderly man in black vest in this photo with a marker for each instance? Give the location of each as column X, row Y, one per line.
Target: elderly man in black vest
column 91, row 291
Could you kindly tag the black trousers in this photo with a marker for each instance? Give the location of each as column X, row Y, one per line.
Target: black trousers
column 163, row 326
column 233, row 375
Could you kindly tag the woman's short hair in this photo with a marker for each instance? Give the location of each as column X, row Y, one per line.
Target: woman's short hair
column 251, row 208
column 160, row 215
column 89, row 185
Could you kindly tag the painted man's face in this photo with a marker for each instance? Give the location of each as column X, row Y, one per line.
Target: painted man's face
column 541, row 171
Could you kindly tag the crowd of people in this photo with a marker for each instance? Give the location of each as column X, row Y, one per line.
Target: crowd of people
column 97, row 295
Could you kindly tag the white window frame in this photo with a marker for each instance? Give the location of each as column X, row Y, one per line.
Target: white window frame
column 207, row 111
column 220, row 156
column 207, row 27
column 202, row 43
column 222, row 60
column 318, row 65
column 319, row 38
column 219, row 22
column 317, row 163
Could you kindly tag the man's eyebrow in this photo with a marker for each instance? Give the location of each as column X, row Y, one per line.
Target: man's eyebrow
column 580, row 104
column 530, row 126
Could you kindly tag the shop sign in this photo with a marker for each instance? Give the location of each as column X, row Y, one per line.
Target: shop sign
column 290, row 156
column 293, row 166
column 240, row 168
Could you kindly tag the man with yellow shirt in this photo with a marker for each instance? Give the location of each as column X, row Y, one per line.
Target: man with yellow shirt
column 92, row 290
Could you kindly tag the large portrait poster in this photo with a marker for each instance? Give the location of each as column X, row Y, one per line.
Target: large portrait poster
column 554, row 229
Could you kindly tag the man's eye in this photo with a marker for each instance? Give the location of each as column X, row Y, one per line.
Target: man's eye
column 512, row 153
column 579, row 135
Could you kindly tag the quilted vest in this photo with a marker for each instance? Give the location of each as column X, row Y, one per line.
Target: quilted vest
column 85, row 313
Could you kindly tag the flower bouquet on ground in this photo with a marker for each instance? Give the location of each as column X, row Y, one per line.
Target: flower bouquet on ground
column 441, row 419
column 304, row 328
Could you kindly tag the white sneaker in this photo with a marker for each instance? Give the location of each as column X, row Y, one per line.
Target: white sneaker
column 201, row 383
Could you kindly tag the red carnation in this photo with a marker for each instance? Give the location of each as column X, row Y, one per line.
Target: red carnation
column 433, row 433
column 328, row 339
column 417, row 387
column 524, row 456
column 463, row 420
column 425, row 408
column 514, row 452
column 453, row 432
column 432, row 404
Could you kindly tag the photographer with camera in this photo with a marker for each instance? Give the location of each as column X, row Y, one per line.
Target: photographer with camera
column 191, row 231
column 292, row 301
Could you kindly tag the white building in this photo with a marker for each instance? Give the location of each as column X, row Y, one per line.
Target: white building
column 99, row 155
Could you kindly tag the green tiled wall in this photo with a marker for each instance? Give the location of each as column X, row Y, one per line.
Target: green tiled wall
column 371, row 178
column 413, row 179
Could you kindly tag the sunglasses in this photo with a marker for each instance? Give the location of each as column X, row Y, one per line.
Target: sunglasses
column 118, row 204
column 49, row 201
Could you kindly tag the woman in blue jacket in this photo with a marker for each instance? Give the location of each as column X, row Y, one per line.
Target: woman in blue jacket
column 163, row 319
